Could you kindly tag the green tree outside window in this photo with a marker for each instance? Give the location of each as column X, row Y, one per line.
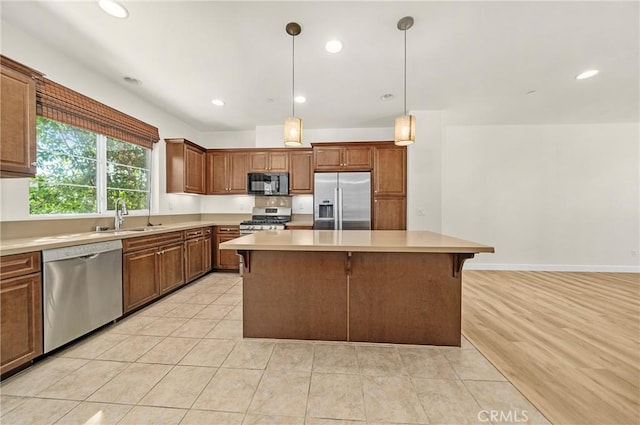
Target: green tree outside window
column 80, row 172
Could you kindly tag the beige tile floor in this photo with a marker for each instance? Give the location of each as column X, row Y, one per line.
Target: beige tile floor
column 183, row 360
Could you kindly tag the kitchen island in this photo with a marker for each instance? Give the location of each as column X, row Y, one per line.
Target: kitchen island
column 373, row 286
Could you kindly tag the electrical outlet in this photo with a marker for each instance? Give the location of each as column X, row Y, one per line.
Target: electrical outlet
column 170, row 206
column 421, row 212
column 634, row 253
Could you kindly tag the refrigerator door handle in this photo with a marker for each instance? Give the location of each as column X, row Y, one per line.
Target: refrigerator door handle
column 340, row 208
column 337, row 224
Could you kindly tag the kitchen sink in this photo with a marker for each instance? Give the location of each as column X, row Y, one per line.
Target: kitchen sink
column 144, row 229
column 132, row 229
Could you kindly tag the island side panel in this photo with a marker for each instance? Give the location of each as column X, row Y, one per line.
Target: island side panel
column 295, row 295
column 408, row 298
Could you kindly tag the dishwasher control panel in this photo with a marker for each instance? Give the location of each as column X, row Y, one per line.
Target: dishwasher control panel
column 80, row 250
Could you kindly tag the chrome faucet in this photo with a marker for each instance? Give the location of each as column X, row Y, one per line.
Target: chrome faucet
column 120, row 212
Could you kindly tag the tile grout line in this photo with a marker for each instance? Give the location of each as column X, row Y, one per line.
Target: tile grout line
column 313, row 359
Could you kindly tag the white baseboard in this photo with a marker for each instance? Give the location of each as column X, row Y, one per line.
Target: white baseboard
column 552, row 267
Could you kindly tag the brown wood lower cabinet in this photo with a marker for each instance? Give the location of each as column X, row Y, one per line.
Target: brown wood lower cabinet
column 140, row 282
column 152, row 265
column 170, row 267
column 198, row 252
column 155, row 265
column 20, row 310
column 225, row 259
column 390, row 213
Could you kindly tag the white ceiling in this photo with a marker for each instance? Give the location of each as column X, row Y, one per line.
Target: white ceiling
column 475, row 60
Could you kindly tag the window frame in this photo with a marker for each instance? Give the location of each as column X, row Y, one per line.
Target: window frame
column 101, row 182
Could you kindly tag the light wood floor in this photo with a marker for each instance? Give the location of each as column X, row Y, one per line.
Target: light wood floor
column 570, row 342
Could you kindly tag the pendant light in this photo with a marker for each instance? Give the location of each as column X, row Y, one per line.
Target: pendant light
column 293, row 124
column 405, row 131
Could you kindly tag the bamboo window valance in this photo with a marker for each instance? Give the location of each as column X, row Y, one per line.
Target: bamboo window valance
column 62, row 104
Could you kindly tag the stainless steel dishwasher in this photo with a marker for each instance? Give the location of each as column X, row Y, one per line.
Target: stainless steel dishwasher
column 82, row 289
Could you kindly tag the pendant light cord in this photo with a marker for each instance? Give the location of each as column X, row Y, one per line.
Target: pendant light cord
column 405, row 72
column 293, row 77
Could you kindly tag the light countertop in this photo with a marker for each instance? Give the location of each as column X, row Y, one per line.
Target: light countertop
column 21, row 245
column 354, row 240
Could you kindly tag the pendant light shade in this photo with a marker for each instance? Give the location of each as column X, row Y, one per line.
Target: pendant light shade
column 405, row 133
column 405, row 129
column 293, row 131
column 293, row 124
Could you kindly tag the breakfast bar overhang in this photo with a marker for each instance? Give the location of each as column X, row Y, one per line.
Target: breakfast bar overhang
column 371, row 286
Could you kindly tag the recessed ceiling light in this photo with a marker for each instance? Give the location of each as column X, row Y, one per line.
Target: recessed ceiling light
column 333, row 46
column 218, row 102
column 587, row 74
column 300, row 99
column 387, row 96
column 132, row 80
column 113, row 8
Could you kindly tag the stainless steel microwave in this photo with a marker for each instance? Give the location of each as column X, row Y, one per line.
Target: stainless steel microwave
column 268, row 184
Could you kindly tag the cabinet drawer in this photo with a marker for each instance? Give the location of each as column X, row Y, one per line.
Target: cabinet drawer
column 135, row 244
column 227, row 230
column 196, row 233
column 19, row 264
column 193, row 233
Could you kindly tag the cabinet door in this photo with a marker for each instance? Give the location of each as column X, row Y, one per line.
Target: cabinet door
column 327, row 158
column 217, row 181
column 357, row 158
column 140, row 283
column 390, row 171
column 226, row 259
column 301, row 173
column 194, row 177
column 237, row 172
column 258, row 162
column 208, row 253
column 170, row 267
column 279, row 162
column 20, row 320
column 390, row 213
column 17, row 124
column 194, row 258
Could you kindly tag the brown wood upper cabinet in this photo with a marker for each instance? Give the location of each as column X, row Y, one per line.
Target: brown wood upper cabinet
column 18, row 119
column 301, row 172
column 272, row 161
column 227, row 172
column 20, row 310
column 341, row 157
column 390, row 170
column 185, row 167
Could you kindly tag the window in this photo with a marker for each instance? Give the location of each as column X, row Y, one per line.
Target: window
column 81, row 172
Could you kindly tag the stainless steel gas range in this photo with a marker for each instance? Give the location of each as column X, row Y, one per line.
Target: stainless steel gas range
column 266, row 218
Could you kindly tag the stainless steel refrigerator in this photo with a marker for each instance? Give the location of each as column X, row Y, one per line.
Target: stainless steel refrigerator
column 342, row 201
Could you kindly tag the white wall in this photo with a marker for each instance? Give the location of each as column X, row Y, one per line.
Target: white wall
column 548, row 197
column 14, row 193
column 227, row 139
column 424, row 173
